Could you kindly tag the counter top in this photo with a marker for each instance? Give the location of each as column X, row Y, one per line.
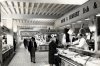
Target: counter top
column 81, row 59
column 4, row 51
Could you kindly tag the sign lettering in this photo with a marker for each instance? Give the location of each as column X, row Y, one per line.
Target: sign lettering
column 63, row 20
column 74, row 15
column 85, row 10
column 95, row 5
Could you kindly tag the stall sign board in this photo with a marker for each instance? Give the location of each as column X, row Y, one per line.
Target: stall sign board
column 91, row 7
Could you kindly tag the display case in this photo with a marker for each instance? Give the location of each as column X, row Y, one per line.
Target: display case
column 7, row 55
column 43, row 47
column 78, row 57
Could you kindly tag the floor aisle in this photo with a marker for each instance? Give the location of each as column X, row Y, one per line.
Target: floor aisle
column 22, row 58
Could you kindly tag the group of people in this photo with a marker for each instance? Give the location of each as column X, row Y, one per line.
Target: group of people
column 52, row 56
column 32, row 47
column 78, row 41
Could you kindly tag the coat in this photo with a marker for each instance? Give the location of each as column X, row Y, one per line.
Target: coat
column 52, row 51
column 31, row 48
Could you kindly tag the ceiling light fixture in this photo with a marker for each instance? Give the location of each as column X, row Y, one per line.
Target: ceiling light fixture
column 98, row 15
column 87, row 19
column 73, row 23
column 78, row 2
column 79, row 21
column 67, row 25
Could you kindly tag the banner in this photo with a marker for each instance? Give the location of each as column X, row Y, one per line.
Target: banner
column 92, row 7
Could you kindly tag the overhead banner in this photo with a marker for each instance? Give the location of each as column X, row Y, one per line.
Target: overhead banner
column 89, row 8
column 50, row 31
column 28, row 33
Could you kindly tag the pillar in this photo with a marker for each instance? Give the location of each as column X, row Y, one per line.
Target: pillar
column 0, row 40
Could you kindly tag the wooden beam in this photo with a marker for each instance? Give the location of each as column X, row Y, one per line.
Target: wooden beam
column 11, row 7
column 36, row 8
column 56, row 8
column 51, row 8
column 59, row 9
column 16, row 7
column 6, row 7
column 21, row 7
column 65, row 8
column 31, row 10
column 44, row 10
column 41, row 8
column 3, row 10
column 27, row 6
column 68, row 9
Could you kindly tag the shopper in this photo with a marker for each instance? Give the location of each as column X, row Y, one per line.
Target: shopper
column 52, row 50
column 56, row 57
column 31, row 48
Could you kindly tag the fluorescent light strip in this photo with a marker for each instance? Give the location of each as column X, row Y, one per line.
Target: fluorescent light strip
column 78, row 2
column 68, row 25
column 87, row 19
column 79, row 21
column 73, row 23
column 98, row 15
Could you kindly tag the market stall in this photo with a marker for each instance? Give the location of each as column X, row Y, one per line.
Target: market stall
column 84, row 21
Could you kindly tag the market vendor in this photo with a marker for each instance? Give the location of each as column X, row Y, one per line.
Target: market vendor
column 81, row 42
column 66, row 38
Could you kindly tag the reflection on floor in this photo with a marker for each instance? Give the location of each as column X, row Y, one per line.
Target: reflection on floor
column 22, row 58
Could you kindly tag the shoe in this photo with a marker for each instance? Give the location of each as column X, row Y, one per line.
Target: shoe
column 34, row 62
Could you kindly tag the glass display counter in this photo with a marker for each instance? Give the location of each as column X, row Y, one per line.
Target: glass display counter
column 78, row 57
column 7, row 55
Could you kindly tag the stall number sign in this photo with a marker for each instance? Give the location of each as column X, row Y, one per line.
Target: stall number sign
column 77, row 13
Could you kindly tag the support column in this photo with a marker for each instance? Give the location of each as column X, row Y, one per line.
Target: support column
column 98, row 33
column 96, row 36
column 0, row 40
column 9, row 25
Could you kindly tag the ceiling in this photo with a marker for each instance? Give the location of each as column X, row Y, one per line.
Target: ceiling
column 27, row 13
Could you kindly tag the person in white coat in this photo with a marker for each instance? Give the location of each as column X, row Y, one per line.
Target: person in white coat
column 81, row 42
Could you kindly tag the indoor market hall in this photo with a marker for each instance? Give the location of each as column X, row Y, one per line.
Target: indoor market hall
column 49, row 33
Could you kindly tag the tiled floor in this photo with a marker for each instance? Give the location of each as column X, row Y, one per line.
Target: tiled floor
column 22, row 58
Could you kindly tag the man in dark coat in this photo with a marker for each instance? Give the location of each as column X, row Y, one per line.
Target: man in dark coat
column 32, row 48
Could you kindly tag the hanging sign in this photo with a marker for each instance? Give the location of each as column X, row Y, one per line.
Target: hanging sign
column 89, row 8
column 28, row 33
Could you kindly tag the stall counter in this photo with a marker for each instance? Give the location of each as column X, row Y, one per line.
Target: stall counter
column 70, row 58
column 7, row 56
